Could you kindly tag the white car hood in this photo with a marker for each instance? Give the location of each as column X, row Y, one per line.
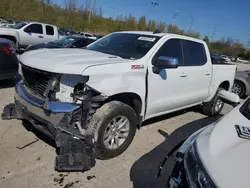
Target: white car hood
column 224, row 154
column 67, row 61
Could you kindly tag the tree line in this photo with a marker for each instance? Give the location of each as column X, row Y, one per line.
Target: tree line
column 86, row 17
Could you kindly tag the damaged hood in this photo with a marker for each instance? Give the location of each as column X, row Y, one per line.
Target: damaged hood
column 224, row 154
column 67, row 61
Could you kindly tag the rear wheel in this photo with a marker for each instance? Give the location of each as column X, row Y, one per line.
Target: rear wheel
column 113, row 126
column 239, row 88
column 214, row 107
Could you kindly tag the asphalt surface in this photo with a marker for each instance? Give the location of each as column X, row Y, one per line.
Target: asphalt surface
column 33, row 165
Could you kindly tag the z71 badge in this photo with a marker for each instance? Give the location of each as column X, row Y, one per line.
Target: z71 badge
column 243, row 131
column 137, row 66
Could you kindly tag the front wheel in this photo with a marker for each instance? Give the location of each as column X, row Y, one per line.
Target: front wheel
column 214, row 107
column 113, row 126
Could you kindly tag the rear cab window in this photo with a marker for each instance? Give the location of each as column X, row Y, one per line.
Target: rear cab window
column 194, row 53
column 49, row 30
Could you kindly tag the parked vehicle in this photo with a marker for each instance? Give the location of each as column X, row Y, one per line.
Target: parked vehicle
column 88, row 35
column 241, row 60
column 6, row 23
column 217, row 59
column 241, row 85
column 99, row 36
column 24, row 34
column 226, row 58
column 217, row 155
column 109, row 89
column 66, row 42
column 8, row 60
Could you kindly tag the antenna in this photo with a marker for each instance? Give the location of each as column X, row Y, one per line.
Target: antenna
column 156, row 31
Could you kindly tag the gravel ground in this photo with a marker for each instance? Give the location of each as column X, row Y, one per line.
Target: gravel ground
column 33, row 166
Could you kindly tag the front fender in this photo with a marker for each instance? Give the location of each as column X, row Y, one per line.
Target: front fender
column 112, row 79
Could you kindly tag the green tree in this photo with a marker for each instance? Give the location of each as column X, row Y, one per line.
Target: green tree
column 142, row 23
column 161, row 26
column 173, row 29
column 206, row 39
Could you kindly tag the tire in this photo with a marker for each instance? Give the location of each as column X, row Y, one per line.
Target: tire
column 239, row 88
column 101, row 122
column 214, row 107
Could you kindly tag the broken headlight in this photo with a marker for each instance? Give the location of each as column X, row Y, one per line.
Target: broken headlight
column 197, row 176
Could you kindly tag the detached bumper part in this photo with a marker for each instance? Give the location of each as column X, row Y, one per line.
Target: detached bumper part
column 74, row 154
column 10, row 112
column 76, row 151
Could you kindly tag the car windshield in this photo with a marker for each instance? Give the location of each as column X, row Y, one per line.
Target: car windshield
column 245, row 109
column 65, row 41
column 125, row 45
column 20, row 25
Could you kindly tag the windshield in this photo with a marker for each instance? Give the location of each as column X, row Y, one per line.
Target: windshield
column 65, row 41
column 245, row 109
column 20, row 25
column 125, row 45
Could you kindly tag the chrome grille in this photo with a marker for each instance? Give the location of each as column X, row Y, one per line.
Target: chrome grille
column 36, row 80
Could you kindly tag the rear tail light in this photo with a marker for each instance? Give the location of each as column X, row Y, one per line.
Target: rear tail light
column 9, row 50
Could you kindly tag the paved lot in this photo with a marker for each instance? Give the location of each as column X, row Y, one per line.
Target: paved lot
column 33, row 166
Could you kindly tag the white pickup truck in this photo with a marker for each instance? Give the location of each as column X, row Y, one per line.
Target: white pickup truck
column 119, row 81
column 24, row 34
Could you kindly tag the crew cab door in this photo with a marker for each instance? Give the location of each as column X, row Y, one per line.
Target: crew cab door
column 176, row 88
column 166, row 90
column 32, row 34
column 198, row 69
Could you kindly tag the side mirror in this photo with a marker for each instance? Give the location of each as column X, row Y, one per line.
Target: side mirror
column 164, row 62
column 27, row 30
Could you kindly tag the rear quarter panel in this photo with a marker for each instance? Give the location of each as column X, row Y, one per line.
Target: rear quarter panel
column 220, row 74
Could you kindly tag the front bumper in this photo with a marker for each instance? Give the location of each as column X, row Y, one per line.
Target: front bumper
column 57, row 120
column 31, row 108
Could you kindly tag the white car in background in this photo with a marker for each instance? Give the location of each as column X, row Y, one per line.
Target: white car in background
column 88, row 35
column 241, row 60
column 28, row 33
column 226, row 58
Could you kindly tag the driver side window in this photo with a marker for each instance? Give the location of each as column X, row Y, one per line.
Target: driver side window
column 34, row 28
column 171, row 48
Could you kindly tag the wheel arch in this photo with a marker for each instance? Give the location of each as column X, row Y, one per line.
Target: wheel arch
column 131, row 99
column 225, row 85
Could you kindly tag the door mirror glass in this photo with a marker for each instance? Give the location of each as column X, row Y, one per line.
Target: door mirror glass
column 165, row 62
column 27, row 30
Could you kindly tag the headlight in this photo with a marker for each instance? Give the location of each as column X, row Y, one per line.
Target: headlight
column 197, row 176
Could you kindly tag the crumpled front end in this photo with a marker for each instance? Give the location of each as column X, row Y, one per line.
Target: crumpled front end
column 65, row 122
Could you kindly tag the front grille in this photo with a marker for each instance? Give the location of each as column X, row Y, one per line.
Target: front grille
column 36, row 80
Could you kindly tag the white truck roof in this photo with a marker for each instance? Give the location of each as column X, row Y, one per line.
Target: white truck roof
column 162, row 34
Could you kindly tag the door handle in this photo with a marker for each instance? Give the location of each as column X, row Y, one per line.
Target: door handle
column 40, row 36
column 207, row 73
column 183, row 75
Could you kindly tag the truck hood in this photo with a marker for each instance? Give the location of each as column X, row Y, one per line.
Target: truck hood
column 67, row 61
column 224, row 154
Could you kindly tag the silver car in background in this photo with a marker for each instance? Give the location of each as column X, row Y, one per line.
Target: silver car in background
column 241, row 85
